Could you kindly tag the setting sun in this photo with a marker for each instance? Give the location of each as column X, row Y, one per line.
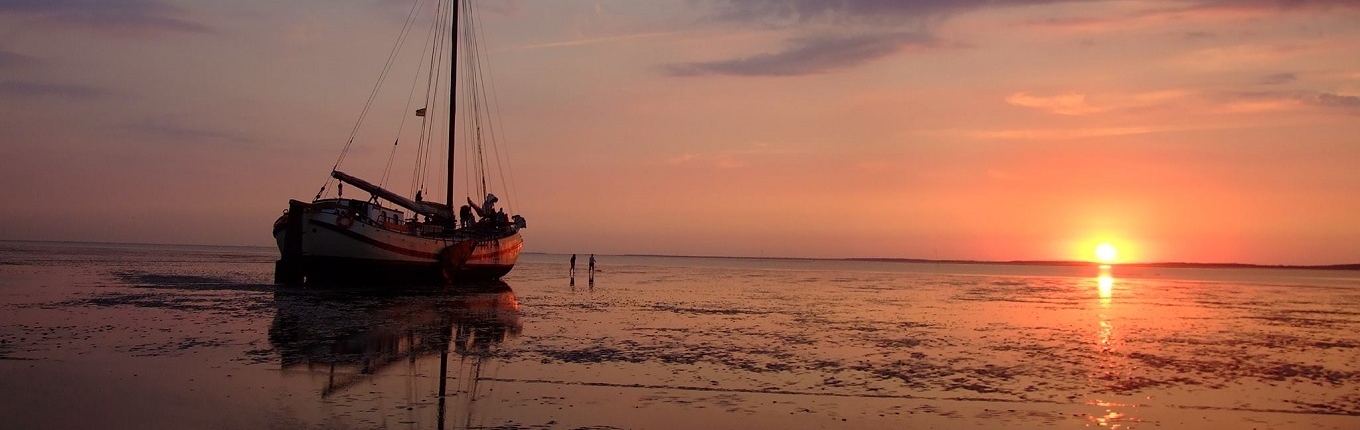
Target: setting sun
column 1106, row 253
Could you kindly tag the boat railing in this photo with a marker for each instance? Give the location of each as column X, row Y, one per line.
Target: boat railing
column 343, row 207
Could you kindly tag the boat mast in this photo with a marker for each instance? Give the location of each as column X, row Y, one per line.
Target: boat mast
column 453, row 102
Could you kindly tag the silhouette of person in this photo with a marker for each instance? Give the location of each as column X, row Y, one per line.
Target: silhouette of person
column 489, row 205
column 465, row 213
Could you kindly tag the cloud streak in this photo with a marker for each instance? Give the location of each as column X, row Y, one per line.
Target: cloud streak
column 1077, row 104
column 810, row 55
column 1279, row 79
column 1265, row 101
column 165, row 129
column 882, row 12
column 1065, row 104
column 118, row 17
column 26, row 89
column 1338, row 100
column 583, row 42
column 12, row 60
column 1191, row 10
column 892, row 19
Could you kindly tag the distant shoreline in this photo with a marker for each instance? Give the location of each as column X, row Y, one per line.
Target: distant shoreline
column 1051, row 263
column 1057, row 263
column 1164, row 265
column 86, row 242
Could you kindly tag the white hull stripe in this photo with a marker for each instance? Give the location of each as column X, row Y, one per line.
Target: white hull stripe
column 376, row 243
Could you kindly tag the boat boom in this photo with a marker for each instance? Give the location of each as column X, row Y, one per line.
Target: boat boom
column 422, row 208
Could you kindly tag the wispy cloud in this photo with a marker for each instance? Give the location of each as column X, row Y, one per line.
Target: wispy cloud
column 12, row 60
column 1065, row 104
column 1279, row 79
column 892, row 12
column 119, row 17
column 1338, row 100
column 892, row 24
column 1061, row 133
column 810, row 55
column 1275, row 5
column 728, row 159
column 1237, row 102
column 591, row 41
column 721, row 161
column 1077, row 104
column 826, row 36
column 1272, row 101
column 1188, row 11
column 171, row 130
column 27, row 89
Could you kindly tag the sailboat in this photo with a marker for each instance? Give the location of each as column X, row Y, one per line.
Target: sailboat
column 388, row 238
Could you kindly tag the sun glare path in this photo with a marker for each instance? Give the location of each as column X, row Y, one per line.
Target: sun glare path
column 1106, row 253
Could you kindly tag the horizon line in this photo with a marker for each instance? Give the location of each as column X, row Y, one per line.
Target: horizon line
column 1159, row 264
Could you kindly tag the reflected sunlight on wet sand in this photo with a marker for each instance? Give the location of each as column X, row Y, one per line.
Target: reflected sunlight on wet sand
column 130, row 336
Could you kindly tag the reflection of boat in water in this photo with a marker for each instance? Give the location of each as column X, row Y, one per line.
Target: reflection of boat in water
column 353, row 337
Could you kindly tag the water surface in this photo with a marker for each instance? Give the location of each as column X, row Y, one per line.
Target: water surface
column 137, row 336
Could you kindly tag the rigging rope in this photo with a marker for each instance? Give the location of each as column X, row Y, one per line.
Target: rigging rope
column 437, row 82
column 373, row 93
column 474, row 97
column 503, row 166
column 481, row 121
column 387, row 171
column 436, row 54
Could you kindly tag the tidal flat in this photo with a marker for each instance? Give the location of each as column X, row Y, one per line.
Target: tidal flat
column 149, row 336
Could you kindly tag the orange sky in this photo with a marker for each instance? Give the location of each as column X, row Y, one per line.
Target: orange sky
column 1178, row 130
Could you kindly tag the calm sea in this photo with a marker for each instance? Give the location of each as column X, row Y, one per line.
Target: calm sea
column 154, row 336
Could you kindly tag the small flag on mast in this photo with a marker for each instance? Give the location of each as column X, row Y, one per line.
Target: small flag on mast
column 420, row 112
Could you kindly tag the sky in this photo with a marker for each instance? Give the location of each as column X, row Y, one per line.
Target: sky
column 1175, row 130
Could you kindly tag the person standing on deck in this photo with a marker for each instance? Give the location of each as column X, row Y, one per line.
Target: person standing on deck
column 466, row 214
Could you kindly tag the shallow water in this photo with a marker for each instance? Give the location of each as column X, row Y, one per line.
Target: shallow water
column 136, row 336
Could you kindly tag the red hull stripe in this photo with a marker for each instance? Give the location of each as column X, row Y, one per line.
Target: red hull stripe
column 498, row 253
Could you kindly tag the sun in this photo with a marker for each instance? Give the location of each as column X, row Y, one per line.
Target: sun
column 1106, row 253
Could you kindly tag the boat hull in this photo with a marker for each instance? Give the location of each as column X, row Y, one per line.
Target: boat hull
column 334, row 249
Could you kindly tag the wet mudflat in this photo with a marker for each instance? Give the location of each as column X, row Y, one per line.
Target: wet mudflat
column 127, row 336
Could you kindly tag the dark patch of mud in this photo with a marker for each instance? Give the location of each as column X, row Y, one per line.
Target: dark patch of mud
column 174, row 347
column 708, row 311
column 187, row 282
column 236, row 305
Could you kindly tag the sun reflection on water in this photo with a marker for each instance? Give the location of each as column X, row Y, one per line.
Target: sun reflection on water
column 1111, row 366
column 1110, row 418
column 1105, row 284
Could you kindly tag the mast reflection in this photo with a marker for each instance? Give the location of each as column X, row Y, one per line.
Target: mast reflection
column 354, row 335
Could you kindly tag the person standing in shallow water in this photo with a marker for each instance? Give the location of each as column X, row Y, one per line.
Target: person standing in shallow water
column 591, row 278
